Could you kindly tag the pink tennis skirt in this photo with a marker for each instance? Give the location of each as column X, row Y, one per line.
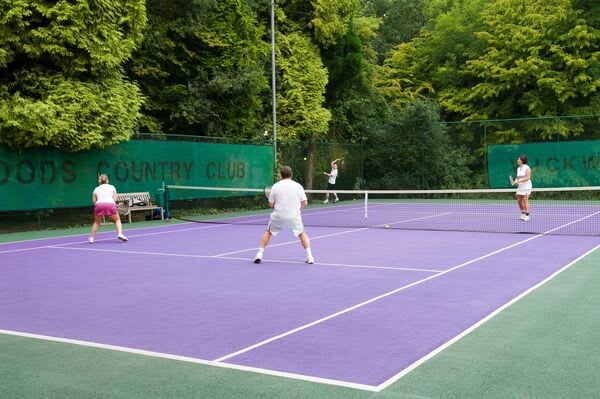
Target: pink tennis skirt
column 105, row 209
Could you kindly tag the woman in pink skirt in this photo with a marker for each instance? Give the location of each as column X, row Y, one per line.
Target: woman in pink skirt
column 104, row 197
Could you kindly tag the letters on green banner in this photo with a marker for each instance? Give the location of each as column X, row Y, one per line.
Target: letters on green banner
column 556, row 164
column 47, row 178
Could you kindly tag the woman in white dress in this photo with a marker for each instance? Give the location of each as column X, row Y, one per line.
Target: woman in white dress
column 523, row 182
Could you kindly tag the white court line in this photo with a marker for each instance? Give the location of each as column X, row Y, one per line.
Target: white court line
column 331, row 235
column 410, row 269
column 292, row 242
column 130, row 252
column 422, row 360
column 379, row 297
column 278, row 373
column 187, row 359
column 236, row 258
column 87, row 234
column 203, row 227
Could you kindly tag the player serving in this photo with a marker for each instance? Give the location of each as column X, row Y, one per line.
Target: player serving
column 287, row 198
column 524, row 186
column 331, row 181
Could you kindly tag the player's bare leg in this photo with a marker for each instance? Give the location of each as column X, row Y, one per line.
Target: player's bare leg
column 263, row 244
column 305, row 241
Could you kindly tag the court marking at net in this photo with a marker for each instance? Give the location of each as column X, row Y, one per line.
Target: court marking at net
column 219, row 361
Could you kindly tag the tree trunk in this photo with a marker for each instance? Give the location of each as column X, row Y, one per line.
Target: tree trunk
column 310, row 166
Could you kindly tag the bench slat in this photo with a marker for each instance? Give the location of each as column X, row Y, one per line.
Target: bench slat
column 141, row 196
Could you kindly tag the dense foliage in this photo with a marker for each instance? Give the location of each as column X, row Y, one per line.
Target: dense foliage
column 81, row 74
column 61, row 78
column 414, row 150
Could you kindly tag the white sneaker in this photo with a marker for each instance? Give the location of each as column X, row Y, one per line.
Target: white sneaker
column 326, row 201
column 310, row 260
column 336, row 200
column 91, row 240
column 258, row 258
column 522, row 217
column 526, row 218
column 122, row 237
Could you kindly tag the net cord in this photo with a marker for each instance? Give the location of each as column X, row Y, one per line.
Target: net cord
column 393, row 192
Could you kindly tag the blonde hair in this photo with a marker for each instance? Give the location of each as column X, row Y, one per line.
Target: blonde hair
column 103, row 179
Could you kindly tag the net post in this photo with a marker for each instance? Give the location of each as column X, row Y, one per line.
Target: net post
column 165, row 190
column 366, row 205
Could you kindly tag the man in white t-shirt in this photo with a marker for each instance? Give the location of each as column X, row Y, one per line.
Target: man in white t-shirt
column 331, row 181
column 287, row 198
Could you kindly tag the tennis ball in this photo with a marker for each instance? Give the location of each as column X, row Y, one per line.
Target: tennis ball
column 305, row 158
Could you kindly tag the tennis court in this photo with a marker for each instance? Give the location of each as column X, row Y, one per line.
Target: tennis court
column 377, row 303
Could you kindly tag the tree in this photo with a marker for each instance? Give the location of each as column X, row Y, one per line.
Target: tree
column 413, row 150
column 433, row 61
column 331, row 20
column 540, row 58
column 201, row 66
column 350, row 96
column 401, row 21
column 300, row 94
column 61, row 77
column 590, row 11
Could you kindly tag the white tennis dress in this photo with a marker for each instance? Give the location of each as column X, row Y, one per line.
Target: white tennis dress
column 525, row 187
column 287, row 196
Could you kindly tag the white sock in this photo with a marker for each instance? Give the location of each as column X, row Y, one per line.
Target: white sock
column 308, row 252
column 260, row 251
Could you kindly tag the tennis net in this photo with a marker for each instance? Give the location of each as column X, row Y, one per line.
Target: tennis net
column 560, row 211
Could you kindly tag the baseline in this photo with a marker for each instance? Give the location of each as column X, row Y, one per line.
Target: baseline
column 187, row 359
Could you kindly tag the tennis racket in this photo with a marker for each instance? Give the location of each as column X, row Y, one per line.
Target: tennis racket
column 267, row 192
column 511, row 180
column 123, row 207
column 341, row 160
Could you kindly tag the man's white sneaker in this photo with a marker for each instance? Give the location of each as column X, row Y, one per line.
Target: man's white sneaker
column 122, row 237
column 91, row 240
column 310, row 260
column 258, row 258
column 326, row 201
column 336, row 200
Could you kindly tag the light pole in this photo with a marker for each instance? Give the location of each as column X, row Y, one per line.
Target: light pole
column 273, row 83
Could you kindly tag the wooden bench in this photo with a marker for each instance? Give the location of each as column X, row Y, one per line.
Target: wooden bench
column 131, row 202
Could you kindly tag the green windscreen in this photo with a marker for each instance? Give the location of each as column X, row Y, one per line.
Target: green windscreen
column 555, row 164
column 48, row 178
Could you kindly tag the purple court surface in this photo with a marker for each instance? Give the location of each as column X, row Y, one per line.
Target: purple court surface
column 375, row 303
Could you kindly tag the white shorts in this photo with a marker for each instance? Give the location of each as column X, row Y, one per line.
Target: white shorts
column 276, row 225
